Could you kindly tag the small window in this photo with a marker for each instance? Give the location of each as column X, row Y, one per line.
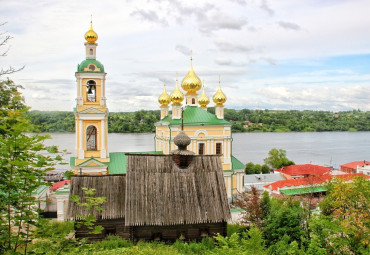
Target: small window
column 91, row 52
column 193, row 100
column 91, row 138
column 201, row 149
column 92, row 67
column 218, row 148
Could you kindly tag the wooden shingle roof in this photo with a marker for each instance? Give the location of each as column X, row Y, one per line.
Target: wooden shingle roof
column 161, row 193
column 112, row 187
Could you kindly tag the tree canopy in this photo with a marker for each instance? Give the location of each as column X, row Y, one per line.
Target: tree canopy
column 277, row 158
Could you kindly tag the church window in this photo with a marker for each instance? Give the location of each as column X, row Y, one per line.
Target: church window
column 92, row 67
column 91, row 91
column 91, row 52
column 91, row 138
column 193, row 100
column 218, row 148
column 201, row 149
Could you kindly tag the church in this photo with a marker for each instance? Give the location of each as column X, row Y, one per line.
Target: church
column 210, row 134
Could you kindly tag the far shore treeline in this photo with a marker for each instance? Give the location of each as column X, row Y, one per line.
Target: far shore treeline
column 242, row 121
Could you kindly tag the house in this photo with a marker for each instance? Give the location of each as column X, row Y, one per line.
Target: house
column 352, row 166
column 161, row 197
column 301, row 171
column 364, row 169
column 260, row 180
column 314, row 185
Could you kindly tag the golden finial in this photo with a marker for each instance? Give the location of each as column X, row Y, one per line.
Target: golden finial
column 164, row 99
column 203, row 99
column 91, row 36
column 191, row 82
column 219, row 97
column 177, row 96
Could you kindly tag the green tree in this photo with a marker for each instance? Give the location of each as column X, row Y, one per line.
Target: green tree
column 90, row 202
column 265, row 169
column 277, row 158
column 286, row 217
column 349, row 204
column 21, row 166
column 249, row 168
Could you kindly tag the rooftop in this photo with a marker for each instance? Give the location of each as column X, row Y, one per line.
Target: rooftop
column 194, row 116
column 306, row 169
column 309, row 181
column 354, row 164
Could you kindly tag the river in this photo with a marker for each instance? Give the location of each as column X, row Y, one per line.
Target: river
column 324, row 148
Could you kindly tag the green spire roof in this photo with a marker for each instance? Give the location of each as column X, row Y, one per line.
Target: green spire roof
column 87, row 62
column 193, row 116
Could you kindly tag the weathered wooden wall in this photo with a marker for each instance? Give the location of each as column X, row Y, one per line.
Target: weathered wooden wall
column 112, row 227
column 172, row 233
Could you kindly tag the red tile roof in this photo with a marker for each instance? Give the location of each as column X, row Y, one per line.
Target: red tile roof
column 306, row 169
column 57, row 185
column 310, row 181
column 354, row 164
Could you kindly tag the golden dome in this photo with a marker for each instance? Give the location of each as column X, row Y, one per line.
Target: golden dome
column 203, row 99
column 91, row 36
column 177, row 96
column 191, row 82
column 219, row 97
column 164, row 99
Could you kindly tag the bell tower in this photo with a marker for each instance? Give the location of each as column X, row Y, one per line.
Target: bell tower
column 91, row 113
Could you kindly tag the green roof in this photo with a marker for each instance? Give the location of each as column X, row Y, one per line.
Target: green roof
column 118, row 163
column 87, row 62
column 236, row 163
column 194, row 116
column 300, row 191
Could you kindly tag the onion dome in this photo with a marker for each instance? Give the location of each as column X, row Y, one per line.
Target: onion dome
column 182, row 157
column 203, row 99
column 191, row 82
column 177, row 96
column 91, row 36
column 219, row 97
column 164, row 99
column 182, row 140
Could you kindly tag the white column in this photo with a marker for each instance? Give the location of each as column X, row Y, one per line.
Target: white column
column 81, row 149
column 76, row 136
column 103, row 152
column 80, row 97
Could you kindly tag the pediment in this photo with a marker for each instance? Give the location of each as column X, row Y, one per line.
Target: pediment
column 92, row 110
column 92, row 163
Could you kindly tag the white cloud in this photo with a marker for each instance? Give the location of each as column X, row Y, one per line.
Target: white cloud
column 261, row 49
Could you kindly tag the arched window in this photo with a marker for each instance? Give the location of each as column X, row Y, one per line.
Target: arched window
column 91, row 52
column 91, row 138
column 193, row 100
column 91, row 91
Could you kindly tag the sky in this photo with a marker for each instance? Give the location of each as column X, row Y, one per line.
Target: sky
column 281, row 54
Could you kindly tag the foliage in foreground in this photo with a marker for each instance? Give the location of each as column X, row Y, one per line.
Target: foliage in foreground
column 283, row 227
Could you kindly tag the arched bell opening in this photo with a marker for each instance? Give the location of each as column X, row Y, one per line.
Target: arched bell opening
column 91, row 91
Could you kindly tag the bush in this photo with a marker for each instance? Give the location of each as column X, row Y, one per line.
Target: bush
column 235, row 228
column 113, row 242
